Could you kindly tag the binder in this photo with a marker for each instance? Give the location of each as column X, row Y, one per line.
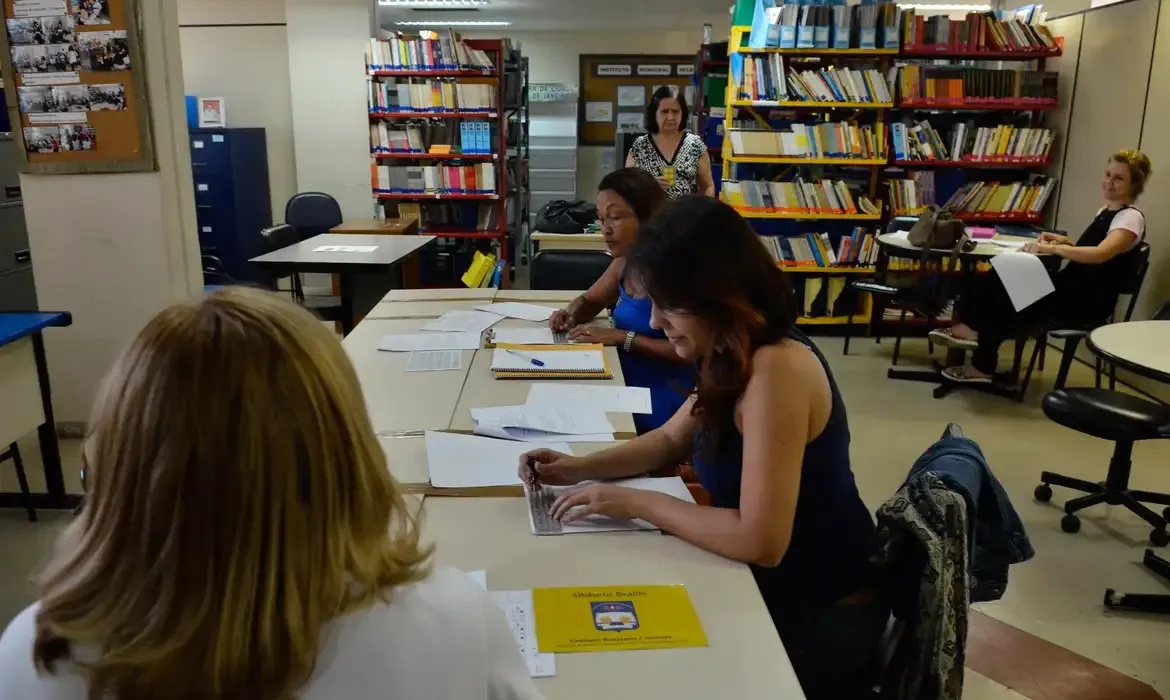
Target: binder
column 541, row 351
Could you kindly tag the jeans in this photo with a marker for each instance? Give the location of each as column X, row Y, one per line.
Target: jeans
column 835, row 650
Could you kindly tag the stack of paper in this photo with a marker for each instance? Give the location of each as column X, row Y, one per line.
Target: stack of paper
column 617, row 399
column 525, row 336
column 410, row 342
column 520, row 613
column 671, row 486
column 463, row 321
column 543, row 423
column 514, row 309
column 470, row 461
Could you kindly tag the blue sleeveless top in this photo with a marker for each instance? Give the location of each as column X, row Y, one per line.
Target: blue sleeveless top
column 833, row 531
column 669, row 383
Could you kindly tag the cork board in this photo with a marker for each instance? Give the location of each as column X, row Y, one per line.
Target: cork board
column 76, row 96
column 605, row 78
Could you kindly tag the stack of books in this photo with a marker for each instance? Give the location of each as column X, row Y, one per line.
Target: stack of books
column 908, row 196
column 437, row 217
column 436, row 137
column 799, row 196
column 434, row 179
column 831, row 24
column 837, row 84
column 437, row 96
column 1004, row 143
column 430, row 51
column 943, row 86
column 820, row 140
column 975, row 33
column 993, row 200
column 817, row 250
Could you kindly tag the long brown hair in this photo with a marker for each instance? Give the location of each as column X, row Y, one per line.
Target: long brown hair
column 698, row 256
column 238, row 501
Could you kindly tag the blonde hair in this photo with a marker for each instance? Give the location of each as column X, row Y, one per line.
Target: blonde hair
column 1139, row 168
column 238, row 502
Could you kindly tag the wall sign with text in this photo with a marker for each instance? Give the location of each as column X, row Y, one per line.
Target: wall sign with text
column 624, row 81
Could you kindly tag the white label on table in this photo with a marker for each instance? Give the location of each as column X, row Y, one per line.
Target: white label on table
column 345, row 249
column 434, row 361
column 1024, row 277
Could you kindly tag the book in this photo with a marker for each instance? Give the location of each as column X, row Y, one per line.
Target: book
column 558, row 362
column 856, row 248
column 815, row 140
column 479, row 178
column 438, row 96
column 956, row 86
column 440, row 137
column 1002, row 143
column 615, row 618
column 976, row 32
column 429, row 51
column 798, row 196
column 1024, row 199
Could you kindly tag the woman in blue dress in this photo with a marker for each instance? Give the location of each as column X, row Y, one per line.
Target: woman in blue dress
column 626, row 198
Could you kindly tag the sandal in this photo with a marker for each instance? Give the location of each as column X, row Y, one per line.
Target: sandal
column 944, row 337
column 959, row 375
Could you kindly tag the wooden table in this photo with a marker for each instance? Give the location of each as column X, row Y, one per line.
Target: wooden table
column 434, row 309
column 567, row 241
column 374, row 226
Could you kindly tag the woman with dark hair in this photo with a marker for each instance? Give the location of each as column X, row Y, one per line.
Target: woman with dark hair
column 769, row 439
column 626, row 198
column 688, row 170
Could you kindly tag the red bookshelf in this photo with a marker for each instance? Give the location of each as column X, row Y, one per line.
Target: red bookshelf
column 1000, row 163
column 943, row 51
column 433, row 115
column 432, row 195
column 435, row 156
column 999, row 218
column 1012, row 105
column 434, row 74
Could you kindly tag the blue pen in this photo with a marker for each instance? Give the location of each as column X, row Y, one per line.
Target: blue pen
column 522, row 356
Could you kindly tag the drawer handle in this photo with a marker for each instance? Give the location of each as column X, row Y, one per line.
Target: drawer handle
column 23, row 256
column 202, row 206
column 199, row 165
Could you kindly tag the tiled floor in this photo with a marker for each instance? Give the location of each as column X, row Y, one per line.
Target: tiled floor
column 1055, row 597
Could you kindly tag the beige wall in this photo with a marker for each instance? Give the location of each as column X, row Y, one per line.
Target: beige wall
column 1069, row 28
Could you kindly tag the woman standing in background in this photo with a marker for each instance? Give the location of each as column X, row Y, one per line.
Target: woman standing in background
column 688, row 169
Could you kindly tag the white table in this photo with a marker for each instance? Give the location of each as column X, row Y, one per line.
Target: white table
column 745, row 657
column 481, row 295
column 556, row 296
column 422, row 309
column 1142, row 347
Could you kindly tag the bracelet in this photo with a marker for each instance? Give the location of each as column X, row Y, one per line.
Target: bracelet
column 626, row 346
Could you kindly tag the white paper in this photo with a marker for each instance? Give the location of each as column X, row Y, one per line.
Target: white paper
column 898, row 236
column 671, row 486
column 57, row 118
column 630, row 121
column 434, row 361
column 542, row 423
column 618, row 399
column 1024, row 277
column 631, row 96
column 409, row 342
column 38, row 8
column 470, row 461
column 1008, row 245
column 515, row 309
column 35, row 79
column 598, row 111
column 463, row 322
column 520, row 612
column 479, row 577
column 345, row 249
column 554, row 360
column 524, row 336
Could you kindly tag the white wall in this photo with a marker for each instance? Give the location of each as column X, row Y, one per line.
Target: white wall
column 247, row 65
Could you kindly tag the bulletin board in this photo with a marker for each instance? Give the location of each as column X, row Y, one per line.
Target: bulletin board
column 604, row 78
column 77, row 95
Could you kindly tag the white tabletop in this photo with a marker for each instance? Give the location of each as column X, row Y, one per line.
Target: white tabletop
column 559, row 296
column 422, row 309
column 483, row 294
column 983, row 248
column 745, row 659
column 1142, row 347
column 390, row 250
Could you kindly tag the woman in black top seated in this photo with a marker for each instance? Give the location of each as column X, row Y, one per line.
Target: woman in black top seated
column 767, row 432
column 1086, row 288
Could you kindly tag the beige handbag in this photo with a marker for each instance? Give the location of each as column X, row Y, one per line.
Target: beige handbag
column 939, row 229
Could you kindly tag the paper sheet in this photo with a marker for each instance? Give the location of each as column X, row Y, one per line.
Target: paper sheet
column 515, row 309
column 618, row 399
column 671, row 486
column 1008, row 245
column 469, row 461
column 434, row 361
column 558, row 360
column 520, row 613
column 463, row 322
column 409, row 342
column 345, row 249
column 1024, row 277
column 524, row 336
column 542, row 423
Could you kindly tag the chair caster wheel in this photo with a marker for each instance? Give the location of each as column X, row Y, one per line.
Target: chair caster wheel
column 1043, row 493
column 1159, row 538
column 1070, row 523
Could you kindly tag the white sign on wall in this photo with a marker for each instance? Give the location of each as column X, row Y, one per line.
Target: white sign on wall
column 686, row 70
column 552, row 92
column 654, row 69
column 611, row 69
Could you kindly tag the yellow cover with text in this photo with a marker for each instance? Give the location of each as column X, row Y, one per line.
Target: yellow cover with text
column 615, row 618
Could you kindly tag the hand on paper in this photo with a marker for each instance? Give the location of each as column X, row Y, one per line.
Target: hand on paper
column 606, row 500
column 603, row 336
column 1039, row 248
column 552, row 468
column 1054, row 238
column 560, row 320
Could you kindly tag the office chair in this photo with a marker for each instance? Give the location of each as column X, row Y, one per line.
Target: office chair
column 1072, row 336
column 568, row 269
column 13, row 453
column 273, row 238
column 311, row 214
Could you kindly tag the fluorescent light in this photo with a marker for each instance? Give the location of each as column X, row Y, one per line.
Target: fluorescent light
column 435, row 3
column 948, row 8
column 453, row 23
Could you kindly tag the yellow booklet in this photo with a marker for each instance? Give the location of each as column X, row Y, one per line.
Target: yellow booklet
column 615, row 618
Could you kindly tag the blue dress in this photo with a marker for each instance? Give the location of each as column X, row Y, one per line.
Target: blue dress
column 669, row 383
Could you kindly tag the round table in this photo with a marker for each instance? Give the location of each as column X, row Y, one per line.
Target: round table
column 1142, row 347
column 983, row 250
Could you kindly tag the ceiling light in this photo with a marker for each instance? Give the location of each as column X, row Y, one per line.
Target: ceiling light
column 947, row 8
column 435, row 3
column 452, row 23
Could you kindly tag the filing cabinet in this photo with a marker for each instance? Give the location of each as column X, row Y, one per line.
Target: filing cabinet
column 17, row 291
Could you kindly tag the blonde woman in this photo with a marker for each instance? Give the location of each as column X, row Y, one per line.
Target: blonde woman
column 242, row 537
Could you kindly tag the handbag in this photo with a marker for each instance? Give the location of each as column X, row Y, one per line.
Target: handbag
column 939, row 229
column 561, row 216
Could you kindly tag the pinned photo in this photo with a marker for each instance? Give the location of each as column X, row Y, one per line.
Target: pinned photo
column 105, row 51
column 29, row 59
column 70, row 98
column 90, row 12
column 63, row 57
column 107, row 97
column 78, row 137
column 35, row 99
column 42, row 139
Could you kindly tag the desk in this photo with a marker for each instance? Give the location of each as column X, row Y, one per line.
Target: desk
column 536, row 296
column 1138, row 346
column 365, row 277
column 482, row 295
column 26, row 401
column 422, row 309
column 567, row 241
column 745, row 659
column 983, row 250
column 395, row 227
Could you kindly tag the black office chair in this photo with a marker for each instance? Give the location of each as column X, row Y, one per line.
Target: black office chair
column 1072, row 336
column 273, row 238
column 568, row 269
column 311, row 214
column 13, row 453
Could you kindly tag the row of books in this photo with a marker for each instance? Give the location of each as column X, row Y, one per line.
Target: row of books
column 976, row 32
column 465, row 137
column 1002, row 143
column 430, row 96
column 447, row 216
column 817, row 250
column 834, row 24
column 434, row 179
column 947, row 84
column 429, row 51
column 764, row 79
column 820, row 140
column 1015, row 198
column 798, row 196
column 912, row 193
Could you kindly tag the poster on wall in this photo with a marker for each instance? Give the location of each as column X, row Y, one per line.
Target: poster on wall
column 598, row 111
column 631, row 95
column 630, row 121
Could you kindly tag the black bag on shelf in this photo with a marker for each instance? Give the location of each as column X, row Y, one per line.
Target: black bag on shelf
column 560, row 216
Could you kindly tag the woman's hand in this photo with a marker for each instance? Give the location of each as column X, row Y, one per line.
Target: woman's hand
column 1054, row 238
column 1038, row 248
column 607, row 500
column 552, row 468
column 601, row 336
column 560, row 320
column 663, row 181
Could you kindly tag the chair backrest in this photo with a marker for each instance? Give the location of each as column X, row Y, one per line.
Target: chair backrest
column 312, row 213
column 1136, row 277
column 568, row 269
column 277, row 237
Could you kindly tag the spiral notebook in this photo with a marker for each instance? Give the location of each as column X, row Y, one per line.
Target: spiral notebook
column 559, row 362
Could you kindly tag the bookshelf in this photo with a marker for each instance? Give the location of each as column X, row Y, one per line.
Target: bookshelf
column 711, row 71
column 518, row 154
column 439, row 142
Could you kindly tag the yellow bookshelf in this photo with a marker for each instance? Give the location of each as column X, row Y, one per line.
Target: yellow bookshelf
column 787, row 160
column 812, row 216
column 809, row 105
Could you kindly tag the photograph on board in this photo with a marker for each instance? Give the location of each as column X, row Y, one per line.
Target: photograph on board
column 29, row 59
column 42, row 139
column 41, row 30
column 71, row 98
column 63, row 57
column 107, row 97
column 35, row 99
column 105, row 51
column 90, row 12
column 78, row 137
